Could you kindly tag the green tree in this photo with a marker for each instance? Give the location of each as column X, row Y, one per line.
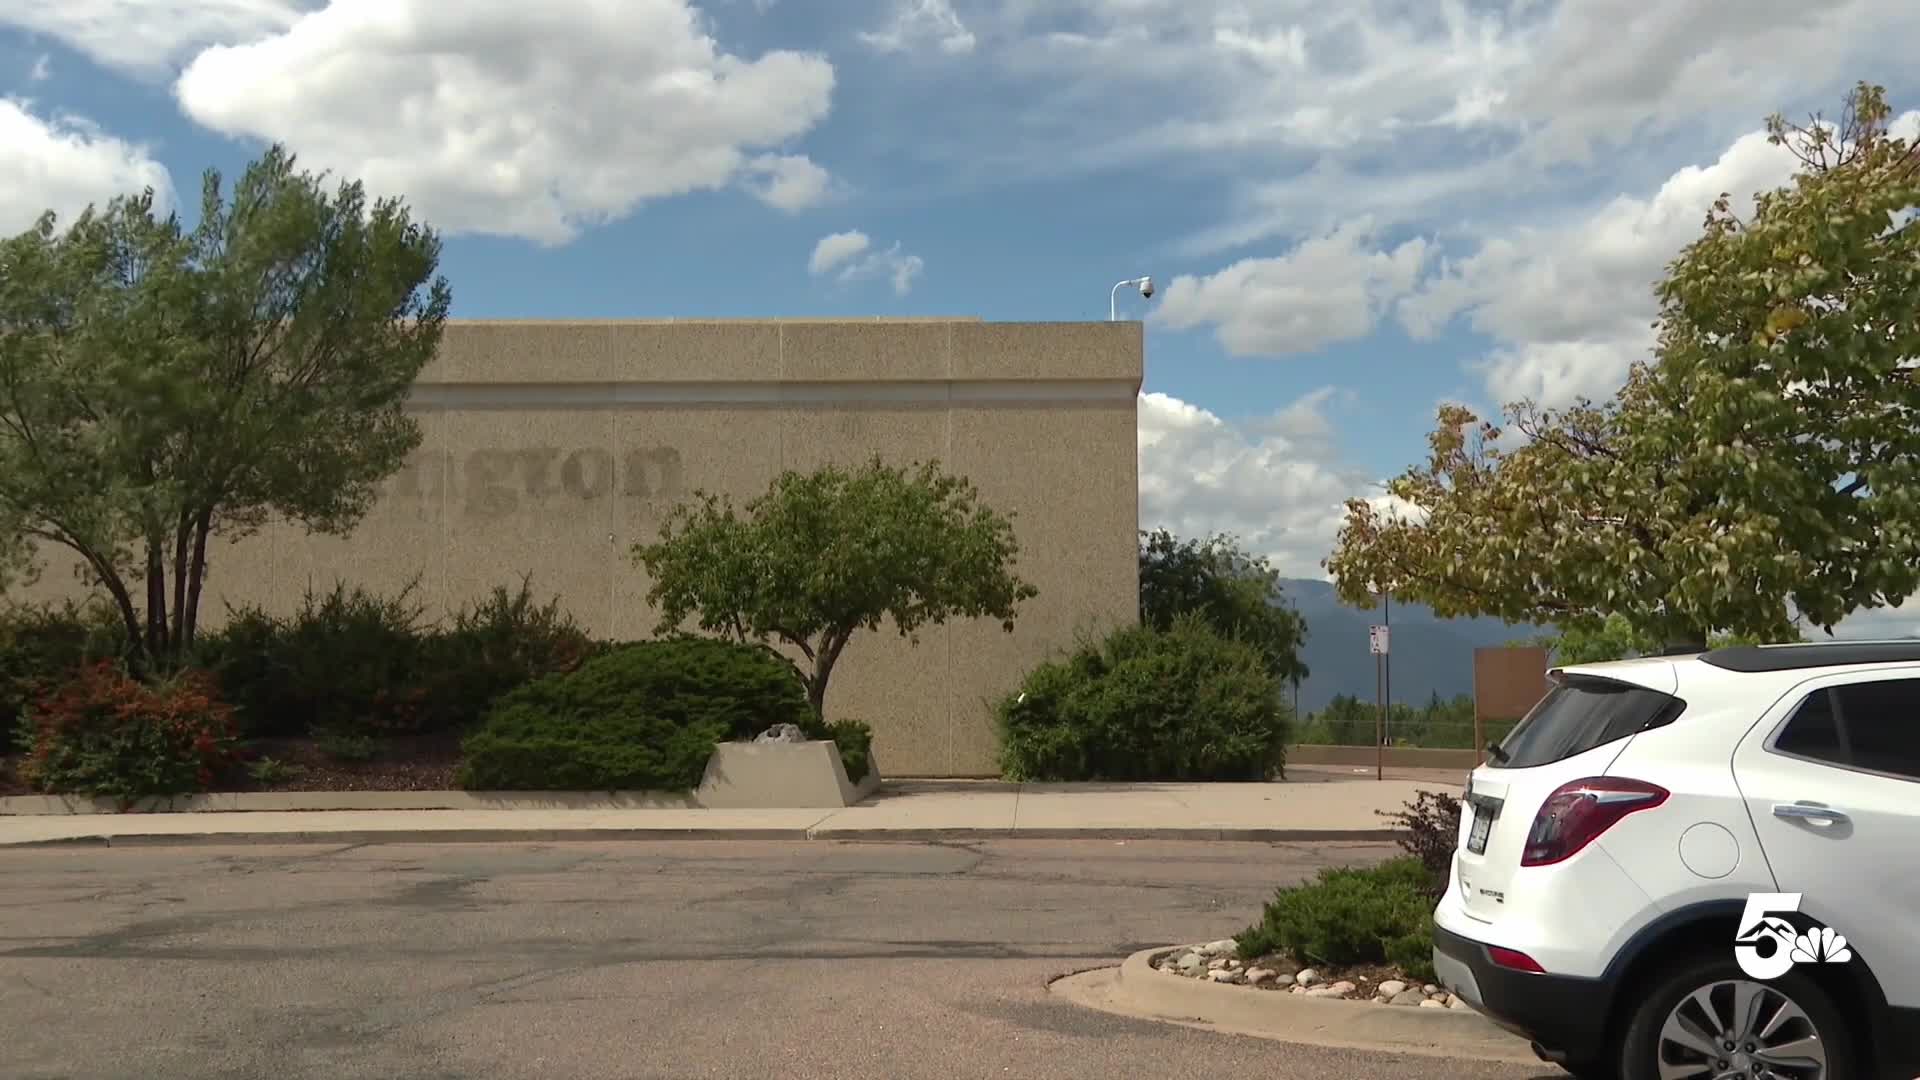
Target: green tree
column 1236, row 593
column 1759, row 473
column 162, row 386
column 824, row 554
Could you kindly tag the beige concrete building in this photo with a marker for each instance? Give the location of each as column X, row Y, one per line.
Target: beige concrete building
column 552, row 447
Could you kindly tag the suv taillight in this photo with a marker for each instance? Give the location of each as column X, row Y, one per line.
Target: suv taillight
column 1579, row 811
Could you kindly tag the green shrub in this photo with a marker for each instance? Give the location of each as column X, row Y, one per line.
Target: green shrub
column 1348, row 915
column 353, row 660
column 349, row 746
column 43, row 645
column 1431, row 834
column 269, row 771
column 1177, row 704
column 348, row 660
column 103, row 733
column 854, row 740
column 641, row 716
column 505, row 641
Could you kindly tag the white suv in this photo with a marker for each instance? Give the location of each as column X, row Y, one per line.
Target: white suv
column 1599, row 901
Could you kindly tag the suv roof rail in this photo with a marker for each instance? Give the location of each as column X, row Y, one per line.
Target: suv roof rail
column 1752, row 659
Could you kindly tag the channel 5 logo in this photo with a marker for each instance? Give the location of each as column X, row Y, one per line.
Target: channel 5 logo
column 1767, row 946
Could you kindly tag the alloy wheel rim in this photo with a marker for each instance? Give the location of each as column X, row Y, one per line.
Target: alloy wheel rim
column 1739, row 1029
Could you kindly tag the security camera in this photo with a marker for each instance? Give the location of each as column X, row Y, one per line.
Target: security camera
column 1146, row 288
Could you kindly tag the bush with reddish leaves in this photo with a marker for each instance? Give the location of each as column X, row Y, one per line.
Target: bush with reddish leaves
column 105, row 733
column 1431, row 833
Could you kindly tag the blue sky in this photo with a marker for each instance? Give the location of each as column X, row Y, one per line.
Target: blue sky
column 1355, row 211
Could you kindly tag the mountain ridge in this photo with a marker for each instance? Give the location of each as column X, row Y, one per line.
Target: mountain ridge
column 1430, row 655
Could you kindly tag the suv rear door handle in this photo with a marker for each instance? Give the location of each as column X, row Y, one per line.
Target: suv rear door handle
column 1813, row 812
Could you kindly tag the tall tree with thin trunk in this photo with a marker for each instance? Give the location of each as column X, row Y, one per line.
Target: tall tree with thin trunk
column 1758, row 473
column 161, row 387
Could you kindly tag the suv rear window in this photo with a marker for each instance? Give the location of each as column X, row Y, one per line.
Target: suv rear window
column 1580, row 713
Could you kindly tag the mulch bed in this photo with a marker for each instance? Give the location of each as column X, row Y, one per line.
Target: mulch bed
column 400, row 763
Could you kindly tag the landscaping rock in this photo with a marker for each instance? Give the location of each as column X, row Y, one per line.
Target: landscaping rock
column 1458, row 1003
column 1432, row 1004
column 1307, row 977
column 1259, row 976
column 1409, row 997
column 1296, row 989
column 1344, row 987
column 1219, row 963
column 1392, row 987
column 1223, row 976
column 1189, row 963
column 1223, row 947
column 1442, row 997
column 1325, row 992
column 785, row 733
column 1430, row 989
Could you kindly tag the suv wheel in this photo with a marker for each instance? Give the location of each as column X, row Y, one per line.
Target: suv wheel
column 1711, row 1021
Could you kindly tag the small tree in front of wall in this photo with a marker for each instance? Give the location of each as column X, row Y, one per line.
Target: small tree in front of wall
column 826, row 553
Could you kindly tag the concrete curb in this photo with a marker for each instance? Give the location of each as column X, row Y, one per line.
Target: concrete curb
column 361, row 837
column 1135, row 989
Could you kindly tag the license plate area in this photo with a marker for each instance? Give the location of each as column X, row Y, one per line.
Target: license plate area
column 1484, row 812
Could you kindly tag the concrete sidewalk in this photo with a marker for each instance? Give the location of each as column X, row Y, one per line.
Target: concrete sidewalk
column 1313, row 805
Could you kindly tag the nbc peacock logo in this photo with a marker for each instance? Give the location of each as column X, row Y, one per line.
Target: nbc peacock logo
column 1767, row 946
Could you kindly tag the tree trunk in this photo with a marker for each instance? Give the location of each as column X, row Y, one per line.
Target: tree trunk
column 156, row 595
column 823, row 661
column 182, row 535
column 196, row 573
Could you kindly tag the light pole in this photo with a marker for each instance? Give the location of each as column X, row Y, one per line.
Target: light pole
column 1144, row 284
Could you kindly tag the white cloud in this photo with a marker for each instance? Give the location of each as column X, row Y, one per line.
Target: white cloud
column 852, row 254
column 1570, row 306
column 148, row 37
column 516, row 120
column 790, row 182
column 42, row 69
column 1331, row 288
column 922, row 23
column 1414, row 113
column 1275, row 482
column 63, row 164
column 835, row 249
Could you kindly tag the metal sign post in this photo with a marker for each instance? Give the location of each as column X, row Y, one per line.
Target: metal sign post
column 1378, row 645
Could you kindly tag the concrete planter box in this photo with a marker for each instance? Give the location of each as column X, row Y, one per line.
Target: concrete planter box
column 740, row 776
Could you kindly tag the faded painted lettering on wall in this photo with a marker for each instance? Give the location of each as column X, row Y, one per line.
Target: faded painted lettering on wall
column 497, row 482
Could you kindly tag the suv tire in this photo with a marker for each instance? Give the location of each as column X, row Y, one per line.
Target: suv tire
column 1667, row 1021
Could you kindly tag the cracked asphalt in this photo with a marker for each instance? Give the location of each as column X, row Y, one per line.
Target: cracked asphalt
column 662, row 960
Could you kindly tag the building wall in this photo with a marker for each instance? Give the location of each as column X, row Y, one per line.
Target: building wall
column 551, row 448
column 1508, row 681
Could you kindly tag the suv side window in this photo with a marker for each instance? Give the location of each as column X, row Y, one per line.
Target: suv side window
column 1869, row 725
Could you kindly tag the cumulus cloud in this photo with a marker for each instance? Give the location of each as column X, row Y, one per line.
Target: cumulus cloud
column 63, row 163
column 853, row 255
column 520, row 120
column 835, row 249
column 1275, row 481
column 789, row 182
column 147, row 38
column 1314, row 113
column 1334, row 287
column 1570, row 306
column 922, row 23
